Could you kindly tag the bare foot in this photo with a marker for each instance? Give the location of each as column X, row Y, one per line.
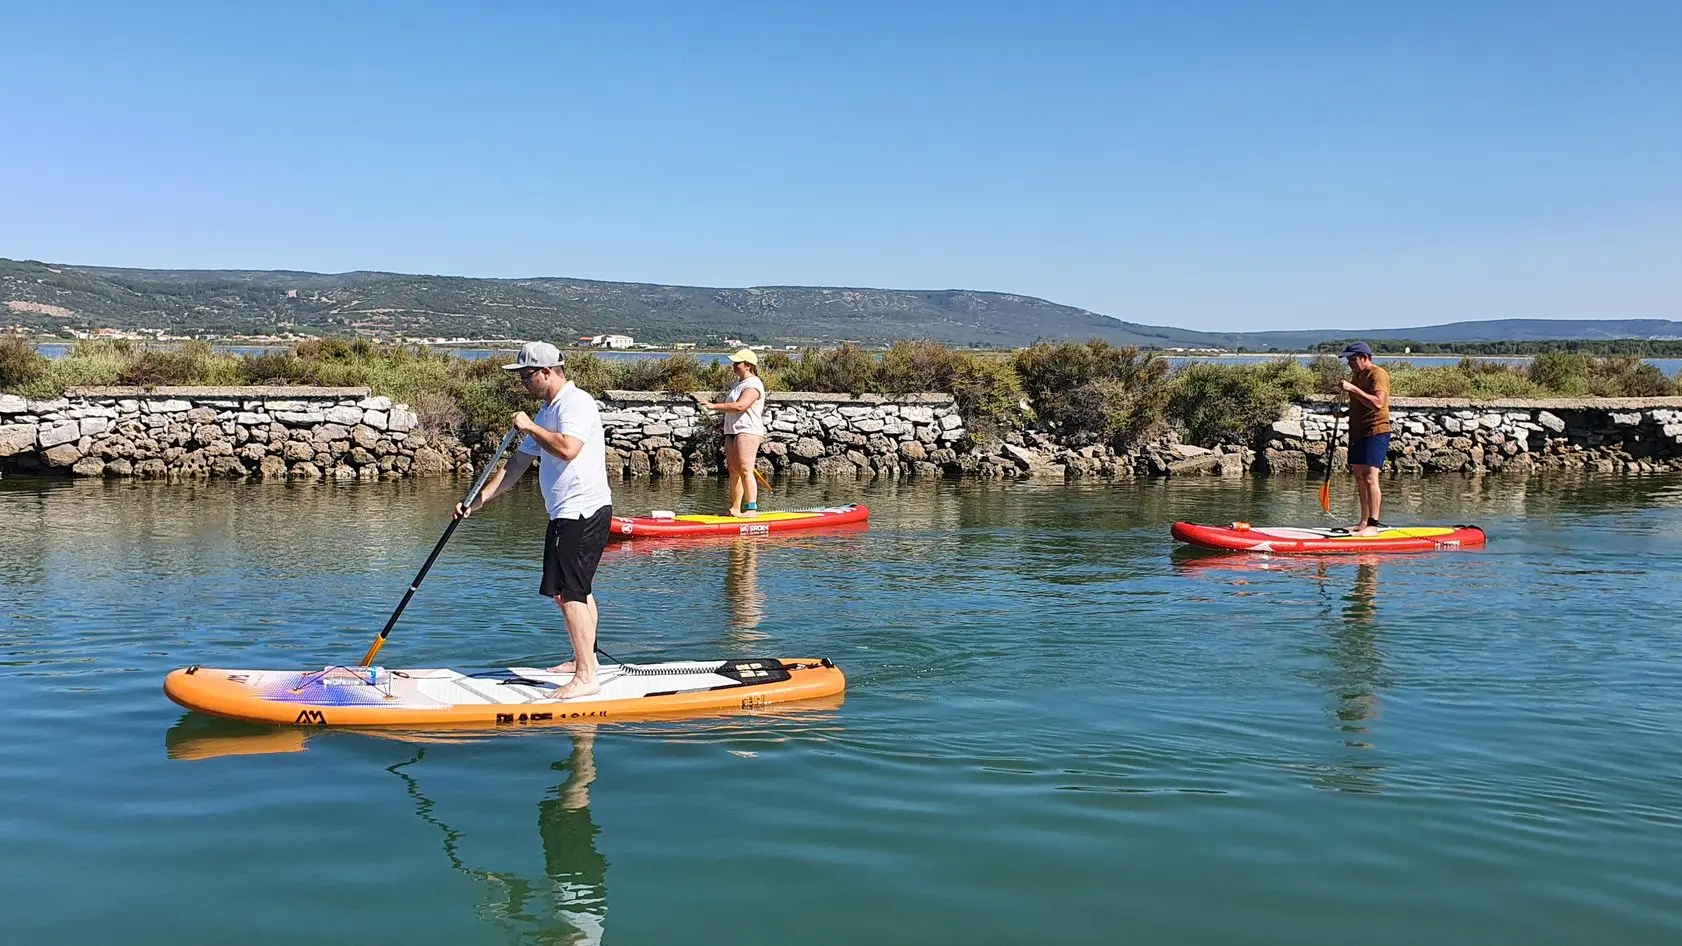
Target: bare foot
column 570, row 666
column 748, row 513
column 575, row 689
column 1366, row 532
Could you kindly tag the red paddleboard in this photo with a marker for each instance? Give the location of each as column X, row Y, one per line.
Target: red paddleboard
column 670, row 525
column 1243, row 537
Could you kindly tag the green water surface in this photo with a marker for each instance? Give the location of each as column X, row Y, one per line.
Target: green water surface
column 1058, row 728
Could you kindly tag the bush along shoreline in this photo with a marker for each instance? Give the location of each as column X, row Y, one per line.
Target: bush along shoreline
column 1068, row 409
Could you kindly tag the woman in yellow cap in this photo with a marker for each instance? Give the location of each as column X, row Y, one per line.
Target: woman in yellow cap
column 744, row 430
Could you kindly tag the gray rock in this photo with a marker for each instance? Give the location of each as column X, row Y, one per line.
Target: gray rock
column 298, row 418
column 951, row 422
column 667, row 462
column 807, row 448
column 868, row 425
column 951, row 433
column 378, row 402
column 290, row 407
column 58, row 404
column 88, row 466
column 119, row 467
column 375, row 419
column 344, row 416
column 65, row 454
column 12, row 404
column 249, row 419
column 917, row 415
column 327, row 433
column 402, row 420
column 656, row 430
column 835, row 468
column 18, row 438
column 1631, row 419
column 1186, row 451
column 298, row 452
column 59, row 433
column 1549, row 421
column 1287, row 429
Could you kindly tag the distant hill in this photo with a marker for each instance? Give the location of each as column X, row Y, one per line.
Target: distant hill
column 52, row 296
column 55, row 296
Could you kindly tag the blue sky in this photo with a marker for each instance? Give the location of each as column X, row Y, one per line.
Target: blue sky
column 1212, row 165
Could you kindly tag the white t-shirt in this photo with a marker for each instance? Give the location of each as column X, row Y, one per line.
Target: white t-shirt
column 572, row 489
column 752, row 420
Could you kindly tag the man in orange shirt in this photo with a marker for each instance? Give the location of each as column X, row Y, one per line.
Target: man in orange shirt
column 1369, row 431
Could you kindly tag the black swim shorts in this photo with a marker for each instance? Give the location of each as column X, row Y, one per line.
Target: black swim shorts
column 571, row 551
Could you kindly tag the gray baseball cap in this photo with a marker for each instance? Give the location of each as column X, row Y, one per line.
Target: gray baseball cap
column 537, row 355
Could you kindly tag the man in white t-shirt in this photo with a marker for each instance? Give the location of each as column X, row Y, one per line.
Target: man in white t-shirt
column 566, row 438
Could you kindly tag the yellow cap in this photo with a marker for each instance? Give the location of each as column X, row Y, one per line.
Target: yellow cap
column 745, row 354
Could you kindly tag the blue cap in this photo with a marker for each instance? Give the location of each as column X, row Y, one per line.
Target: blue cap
column 1357, row 348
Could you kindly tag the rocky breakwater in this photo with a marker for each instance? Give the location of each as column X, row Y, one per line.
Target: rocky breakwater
column 300, row 433
column 809, row 436
column 1451, row 435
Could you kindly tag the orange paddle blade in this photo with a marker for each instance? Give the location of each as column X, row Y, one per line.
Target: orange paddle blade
column 1326, row 497
column 761, row 478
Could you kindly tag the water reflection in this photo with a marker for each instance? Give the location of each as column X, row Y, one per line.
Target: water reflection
column 1357, row 671
column 569, row 905
column 741, row 591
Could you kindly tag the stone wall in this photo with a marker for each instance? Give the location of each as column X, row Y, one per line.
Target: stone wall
column 1434, row 435
column 345, row 434
column 809, row 436
column 272, row 433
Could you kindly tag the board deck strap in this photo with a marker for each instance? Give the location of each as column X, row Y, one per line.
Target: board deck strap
column 1243, row 537
column 672, row 525
column 377, row 696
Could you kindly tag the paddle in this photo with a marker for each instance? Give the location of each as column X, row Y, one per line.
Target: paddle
column 1331, row 458
column 472, row 494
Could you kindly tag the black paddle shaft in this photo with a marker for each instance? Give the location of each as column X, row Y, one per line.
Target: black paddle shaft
column 472, row 494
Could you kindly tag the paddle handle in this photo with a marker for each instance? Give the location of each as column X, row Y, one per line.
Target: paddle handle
column 472, row 494
column 1331, row 457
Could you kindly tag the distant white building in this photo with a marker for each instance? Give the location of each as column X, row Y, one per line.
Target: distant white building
column 612, row 341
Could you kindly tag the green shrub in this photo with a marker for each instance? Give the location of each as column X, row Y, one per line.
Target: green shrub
column 1051, row 375
column 1115, row 394
column 1329, row 374
column 987, row 392
column 20, row 363
column 843, row 370
column 1222, row 403
column 1561, row 372
column 678, row 373
column 915, row 367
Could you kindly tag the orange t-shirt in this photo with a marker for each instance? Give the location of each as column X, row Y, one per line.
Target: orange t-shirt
column 1365, row 419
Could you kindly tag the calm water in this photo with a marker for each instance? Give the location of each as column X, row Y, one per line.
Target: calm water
column 1058, row 729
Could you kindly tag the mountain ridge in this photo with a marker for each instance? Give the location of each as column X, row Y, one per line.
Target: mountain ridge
column 50, row 296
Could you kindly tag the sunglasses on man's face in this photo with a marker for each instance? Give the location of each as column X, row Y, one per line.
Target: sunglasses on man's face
column 526, row 374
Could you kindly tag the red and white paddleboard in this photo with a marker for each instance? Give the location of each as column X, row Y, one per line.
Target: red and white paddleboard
column 1243, row 537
